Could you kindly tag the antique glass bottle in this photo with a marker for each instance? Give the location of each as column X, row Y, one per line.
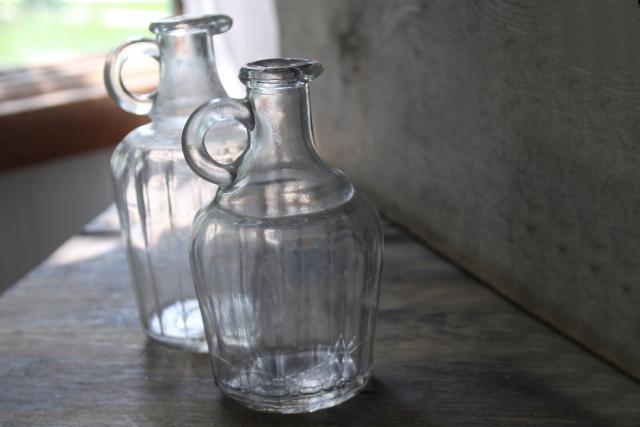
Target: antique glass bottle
column 287, row 258
column 156, row 193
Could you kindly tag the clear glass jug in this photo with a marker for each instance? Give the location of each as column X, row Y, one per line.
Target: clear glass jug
column 287, row 258
column 156, row 193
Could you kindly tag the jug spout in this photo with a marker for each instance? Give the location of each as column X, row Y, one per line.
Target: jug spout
column 282, row 137
column 282, row 173
column 278, row 72
column 188, row 72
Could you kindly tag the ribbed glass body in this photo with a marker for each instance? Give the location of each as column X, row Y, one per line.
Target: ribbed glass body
column 156, row 193
column 286, row 260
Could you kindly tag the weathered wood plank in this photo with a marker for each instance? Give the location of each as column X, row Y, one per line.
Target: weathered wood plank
column 48, row 112
column 78, row 126
column 505, row 134
column 449, row 352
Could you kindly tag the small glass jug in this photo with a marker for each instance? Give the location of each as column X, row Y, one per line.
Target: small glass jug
column 156, row 193
column 287, row 259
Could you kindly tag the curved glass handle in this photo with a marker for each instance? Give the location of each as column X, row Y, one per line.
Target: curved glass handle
column 140, row 104
column 196, row 128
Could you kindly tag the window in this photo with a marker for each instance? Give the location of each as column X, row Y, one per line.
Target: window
column 51, row 57
column 45, row 31
column 53, row 104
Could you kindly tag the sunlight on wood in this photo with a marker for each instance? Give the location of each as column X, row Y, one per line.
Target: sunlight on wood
column 78, row 250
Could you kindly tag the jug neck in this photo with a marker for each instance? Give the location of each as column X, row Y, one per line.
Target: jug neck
column 282, row 174
column 283, row 133
column 188, row 73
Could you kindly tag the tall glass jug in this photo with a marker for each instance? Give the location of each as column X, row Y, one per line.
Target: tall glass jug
column 287, row 258
column 156, row 193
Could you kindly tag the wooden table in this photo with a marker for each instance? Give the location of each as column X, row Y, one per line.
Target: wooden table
column 449, row 352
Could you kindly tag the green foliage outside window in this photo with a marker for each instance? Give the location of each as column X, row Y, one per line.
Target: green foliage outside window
column 45, row 31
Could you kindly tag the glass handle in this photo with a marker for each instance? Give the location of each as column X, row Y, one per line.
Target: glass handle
column 196, row 128
column 140, row 104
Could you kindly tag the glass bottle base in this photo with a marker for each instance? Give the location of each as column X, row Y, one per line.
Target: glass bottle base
column 293, row 404
column 179, row 325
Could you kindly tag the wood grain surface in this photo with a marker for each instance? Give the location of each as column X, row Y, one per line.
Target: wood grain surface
column 503, row 133
column 449, row 352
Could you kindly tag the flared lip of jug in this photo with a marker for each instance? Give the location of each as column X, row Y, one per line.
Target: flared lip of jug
column 280, row 70
column 216, row 24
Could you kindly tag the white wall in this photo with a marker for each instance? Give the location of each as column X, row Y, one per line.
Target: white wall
column 255, row 35
column 42, row 205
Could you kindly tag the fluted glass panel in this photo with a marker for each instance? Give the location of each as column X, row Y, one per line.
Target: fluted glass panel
column 291, row 301
column 158, row 196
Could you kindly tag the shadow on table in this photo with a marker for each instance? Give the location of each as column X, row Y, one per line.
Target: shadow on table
column 355, row 412
column 179, row 390
column 185, row 394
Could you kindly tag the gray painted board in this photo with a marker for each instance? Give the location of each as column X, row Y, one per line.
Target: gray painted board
column 504, row 134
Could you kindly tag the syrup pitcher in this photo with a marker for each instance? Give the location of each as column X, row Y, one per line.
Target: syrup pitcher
column 156, row 193
column 287, row 258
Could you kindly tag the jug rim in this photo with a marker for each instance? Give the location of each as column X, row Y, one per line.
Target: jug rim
column 215, row 23
column 280, row 70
